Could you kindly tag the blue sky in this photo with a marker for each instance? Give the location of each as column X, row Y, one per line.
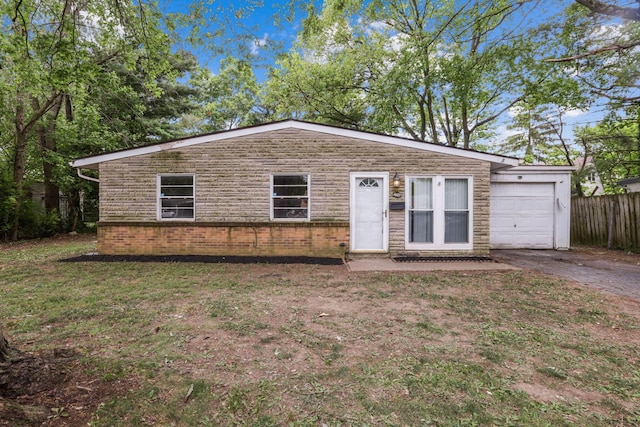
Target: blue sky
column 263, row 23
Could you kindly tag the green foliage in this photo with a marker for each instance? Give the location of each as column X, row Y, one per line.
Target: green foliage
column 539, row 138
column 78, row 79
column 440, row 71
column 227, row 100
column 133, row 113
column 615, row 148
column 7, row 203
column 35, row 221
column 597, row 69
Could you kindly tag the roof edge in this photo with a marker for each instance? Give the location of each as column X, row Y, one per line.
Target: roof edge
column 497, row 160
column 539, row 169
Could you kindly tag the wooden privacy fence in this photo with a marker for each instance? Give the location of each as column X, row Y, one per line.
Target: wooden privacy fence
column 611, row 221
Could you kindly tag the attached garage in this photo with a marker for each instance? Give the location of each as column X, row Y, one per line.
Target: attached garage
column 530, row 208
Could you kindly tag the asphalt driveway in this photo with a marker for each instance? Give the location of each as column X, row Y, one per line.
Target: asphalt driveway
column 611, row 271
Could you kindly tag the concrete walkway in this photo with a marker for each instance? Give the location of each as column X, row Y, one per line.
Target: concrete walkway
column 387, row 264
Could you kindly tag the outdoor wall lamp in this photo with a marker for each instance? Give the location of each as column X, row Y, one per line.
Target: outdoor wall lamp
column 396, row 180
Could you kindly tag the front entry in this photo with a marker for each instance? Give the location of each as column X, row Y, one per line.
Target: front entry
column 369, row 212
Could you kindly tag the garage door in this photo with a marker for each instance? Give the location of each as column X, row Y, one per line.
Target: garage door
column 522, row 215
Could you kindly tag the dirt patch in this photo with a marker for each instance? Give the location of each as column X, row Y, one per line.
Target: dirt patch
column 50, row 388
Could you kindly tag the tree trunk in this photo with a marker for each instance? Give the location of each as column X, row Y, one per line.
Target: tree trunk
column 23, row 126
column 19, row 162
column 4, row 346
column 73, row 202
column 47, row 145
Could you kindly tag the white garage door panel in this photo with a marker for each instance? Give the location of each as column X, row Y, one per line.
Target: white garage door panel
column 522, row 215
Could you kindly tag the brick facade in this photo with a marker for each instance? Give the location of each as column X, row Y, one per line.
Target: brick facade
column 232, row 194
column 291, row 239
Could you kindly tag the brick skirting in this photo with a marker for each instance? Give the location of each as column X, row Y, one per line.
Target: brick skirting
column 248, row 239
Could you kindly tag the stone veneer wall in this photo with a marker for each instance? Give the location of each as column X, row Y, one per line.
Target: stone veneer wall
column 232, row 179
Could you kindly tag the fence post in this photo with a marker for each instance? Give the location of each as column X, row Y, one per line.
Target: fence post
column 612, row 206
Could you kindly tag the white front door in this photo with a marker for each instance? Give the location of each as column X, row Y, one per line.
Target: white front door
column 369, row 214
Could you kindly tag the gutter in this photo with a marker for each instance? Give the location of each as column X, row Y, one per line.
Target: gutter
column 88, row 178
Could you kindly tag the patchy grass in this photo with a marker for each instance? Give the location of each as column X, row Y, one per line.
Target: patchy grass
column 190, row 344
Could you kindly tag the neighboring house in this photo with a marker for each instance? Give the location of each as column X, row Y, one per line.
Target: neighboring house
column 297, row 188
column 36, row 193
column 591, row 182
column 630, row 185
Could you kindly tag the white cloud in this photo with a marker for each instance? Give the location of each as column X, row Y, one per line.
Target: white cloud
column 575, row 113
column 377, row 26
column 259, row 44
column 612, row 31
column 515, row 110
column 502, row 133
column 93, row 25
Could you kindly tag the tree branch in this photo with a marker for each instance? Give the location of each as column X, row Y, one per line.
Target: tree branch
column 613, row 47
column 611, row 10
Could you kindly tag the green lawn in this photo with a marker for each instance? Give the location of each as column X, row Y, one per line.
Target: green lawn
column 191, row 344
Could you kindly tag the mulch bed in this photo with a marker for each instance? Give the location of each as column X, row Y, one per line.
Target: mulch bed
column 207, row 259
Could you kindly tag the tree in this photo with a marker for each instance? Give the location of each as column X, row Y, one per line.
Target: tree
column 50, row 50
column 539, row 129
column 613, row 144
column 442, row 72
column 599, row 12
column 227, row 100
column 599, row 51
column 140, row 114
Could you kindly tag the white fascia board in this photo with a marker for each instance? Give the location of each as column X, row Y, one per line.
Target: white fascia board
column 539, row 170
column 496, row 160
column 501, row 161
column 93, row 161
column 526, row 173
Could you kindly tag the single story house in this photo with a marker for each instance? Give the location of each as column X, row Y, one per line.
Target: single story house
column 299, row 188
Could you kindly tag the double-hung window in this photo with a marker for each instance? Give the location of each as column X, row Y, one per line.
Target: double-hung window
column 456, row 210
column 176, row 197
column 290, row 197
column 421, row 210
column 439, row 212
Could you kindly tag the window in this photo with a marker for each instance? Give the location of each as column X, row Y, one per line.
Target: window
column 369, row 183
column 421, row 210
column 290, row 197
column 438, row 212
column 456, row 211
column 176, row 197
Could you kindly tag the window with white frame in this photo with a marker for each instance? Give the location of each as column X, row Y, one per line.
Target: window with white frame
column 438, row 212
column 456, row 210
column 420, row 210
column 290, row 197
column 176, row 197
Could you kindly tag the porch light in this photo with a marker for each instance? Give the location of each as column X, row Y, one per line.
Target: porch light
column 396, row 180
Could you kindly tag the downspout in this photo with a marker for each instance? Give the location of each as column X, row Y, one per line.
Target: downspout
column 88, row 178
